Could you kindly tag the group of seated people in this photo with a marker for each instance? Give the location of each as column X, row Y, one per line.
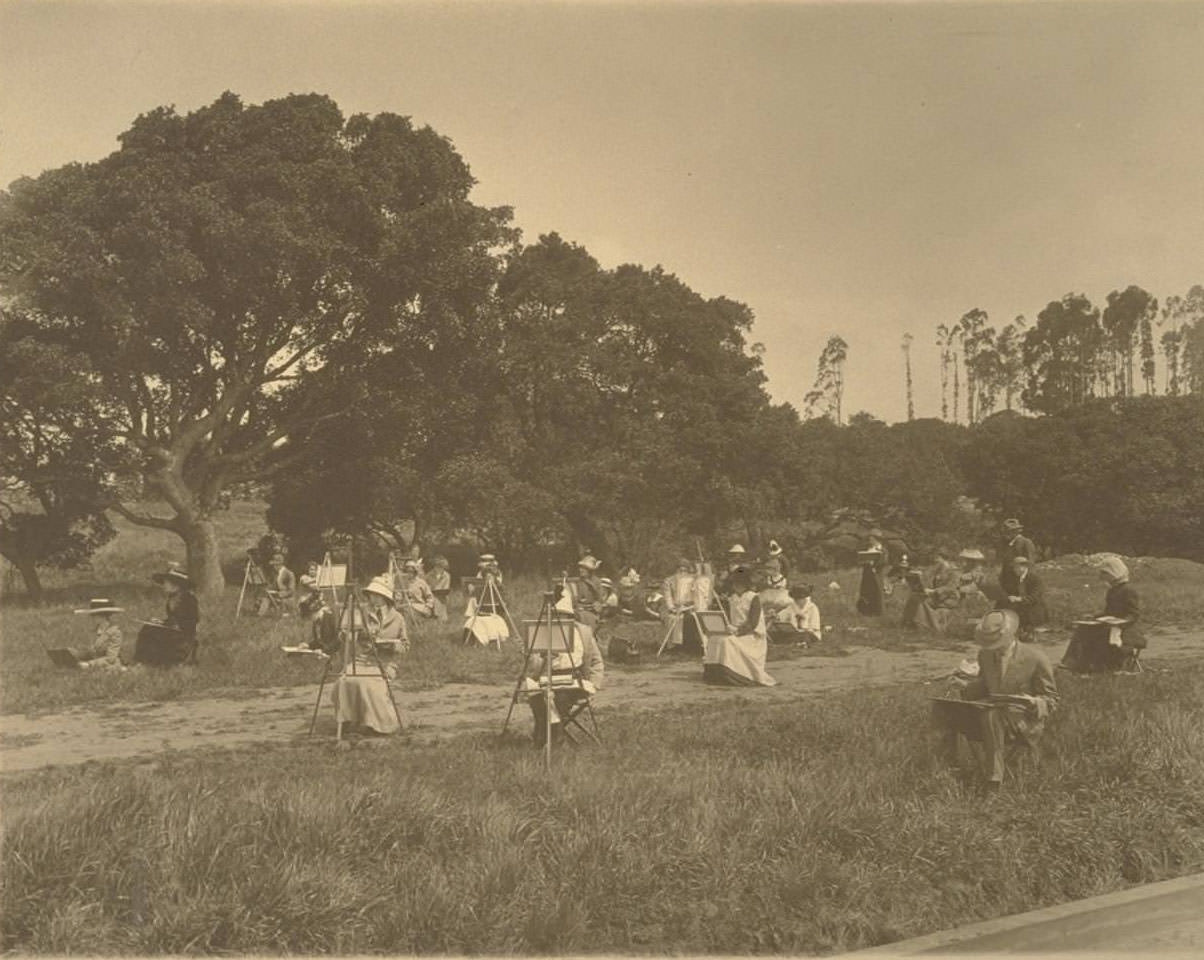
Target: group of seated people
column 163, row 642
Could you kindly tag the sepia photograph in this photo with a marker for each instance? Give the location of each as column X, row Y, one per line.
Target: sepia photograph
column 693, row 478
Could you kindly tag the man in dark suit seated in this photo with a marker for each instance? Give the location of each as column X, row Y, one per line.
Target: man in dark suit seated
column 1009, row 700
column 1024, row 593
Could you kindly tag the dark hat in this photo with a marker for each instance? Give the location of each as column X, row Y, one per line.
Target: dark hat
column 174, row 574
column 99, row 605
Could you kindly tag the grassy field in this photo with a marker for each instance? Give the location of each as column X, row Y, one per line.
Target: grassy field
column 238, row 654
column 813, row 827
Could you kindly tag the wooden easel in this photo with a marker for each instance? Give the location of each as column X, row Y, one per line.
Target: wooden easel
column 253, row 576
column 331, row 576
column 489, row 593
column 694, row 610
column 352, row 622
column 551, row 634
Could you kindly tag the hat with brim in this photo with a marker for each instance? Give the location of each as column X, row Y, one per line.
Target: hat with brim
column 1011, row 523
column 736, row 550
column 486, row 558
column 1021, row 559
column 588, row 563
column 173, row 575
column 997, row 629
column 382, row 586
column 971, row 554
column 774, row 549
column 98, row 605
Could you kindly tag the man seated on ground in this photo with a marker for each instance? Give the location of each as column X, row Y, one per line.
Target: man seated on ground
column 417, row 592
column 739, row 657
column 576, row 676
column 1024, row 593
column 1012, row 696
column 105, row 651
column 800, row 621
column 1112, row 643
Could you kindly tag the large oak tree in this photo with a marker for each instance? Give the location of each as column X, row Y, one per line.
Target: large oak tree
column 231, row 271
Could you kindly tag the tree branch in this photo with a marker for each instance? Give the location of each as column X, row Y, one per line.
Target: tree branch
column 158, row 523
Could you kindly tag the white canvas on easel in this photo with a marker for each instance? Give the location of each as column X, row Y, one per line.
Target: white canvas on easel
column 332, row 577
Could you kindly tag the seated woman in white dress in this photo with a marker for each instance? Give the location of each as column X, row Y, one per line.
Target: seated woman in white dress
column 483, row 619
column 360, row 694
column 799, row 622
column 739, row 658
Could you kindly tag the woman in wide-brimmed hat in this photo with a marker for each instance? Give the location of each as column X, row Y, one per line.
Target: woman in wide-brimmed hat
column 105, row 652
column 171, row 640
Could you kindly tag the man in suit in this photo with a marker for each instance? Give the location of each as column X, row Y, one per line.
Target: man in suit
column 1005, row 667
column 1015, row 544
column 1024, row 593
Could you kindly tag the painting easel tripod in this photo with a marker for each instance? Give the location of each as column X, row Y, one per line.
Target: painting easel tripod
column 353, row 630
column 253, row 576
column 487, row 599
column 554, row 636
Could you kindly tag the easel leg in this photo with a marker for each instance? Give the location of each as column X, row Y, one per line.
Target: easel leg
column 522, row 672
column 673, row 625
column 313, row 721
column 243, row 592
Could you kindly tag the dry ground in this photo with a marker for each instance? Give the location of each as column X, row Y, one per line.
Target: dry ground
column 116, row 731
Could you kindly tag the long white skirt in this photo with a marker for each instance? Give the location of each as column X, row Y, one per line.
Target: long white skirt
column 736, row 660
column 487, row 628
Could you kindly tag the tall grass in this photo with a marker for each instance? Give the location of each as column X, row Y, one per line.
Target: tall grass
column 813, row 827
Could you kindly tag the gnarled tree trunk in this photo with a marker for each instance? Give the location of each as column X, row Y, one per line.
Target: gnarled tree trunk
column 204, row 559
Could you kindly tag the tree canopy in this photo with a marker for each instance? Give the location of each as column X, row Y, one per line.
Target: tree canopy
column 230, row 272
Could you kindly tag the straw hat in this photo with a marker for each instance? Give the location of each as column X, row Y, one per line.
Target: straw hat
column 971, row 554
column 775, row 549
column 588, row 563
column 1011, row 523
column 174, row 574
column 736, row 550
column 997, row 629
column 99, row 605
column 382, row 586
column 486, row 558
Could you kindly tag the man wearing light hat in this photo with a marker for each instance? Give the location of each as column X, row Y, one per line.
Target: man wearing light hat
column 1015, row 544
column 1014, row 692
column 105, row 652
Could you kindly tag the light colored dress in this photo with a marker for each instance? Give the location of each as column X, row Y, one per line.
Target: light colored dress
column 739, row 659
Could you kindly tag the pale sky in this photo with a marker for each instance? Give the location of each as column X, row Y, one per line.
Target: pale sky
column 867, row 170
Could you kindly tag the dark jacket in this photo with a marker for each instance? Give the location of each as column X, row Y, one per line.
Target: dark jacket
column 1123, row 603
column 1031, row 607
column 183, row 613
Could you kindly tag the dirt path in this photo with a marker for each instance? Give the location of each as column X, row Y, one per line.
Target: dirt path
column 118, row 731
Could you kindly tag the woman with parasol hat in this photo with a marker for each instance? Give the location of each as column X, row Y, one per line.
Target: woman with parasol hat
column 171, row 640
